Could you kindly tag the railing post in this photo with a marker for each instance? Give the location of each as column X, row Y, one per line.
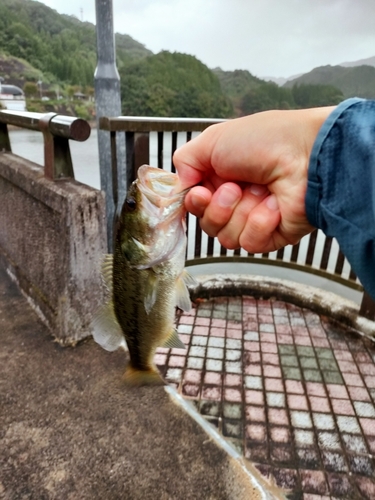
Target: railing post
column 4, row 138
column 108, row 103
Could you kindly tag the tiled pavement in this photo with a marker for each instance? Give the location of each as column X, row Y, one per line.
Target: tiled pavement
column 293, row 391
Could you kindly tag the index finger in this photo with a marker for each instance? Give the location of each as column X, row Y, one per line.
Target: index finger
column 193, row 159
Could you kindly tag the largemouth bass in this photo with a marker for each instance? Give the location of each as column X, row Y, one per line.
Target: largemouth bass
column 146, row 276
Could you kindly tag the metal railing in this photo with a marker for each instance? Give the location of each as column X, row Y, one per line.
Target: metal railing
column 315, row 253
column 57, row 131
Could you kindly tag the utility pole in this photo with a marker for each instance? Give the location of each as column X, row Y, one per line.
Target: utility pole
column 108, row 103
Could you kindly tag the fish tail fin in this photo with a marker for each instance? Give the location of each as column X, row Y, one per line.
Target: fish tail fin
column 135, row 377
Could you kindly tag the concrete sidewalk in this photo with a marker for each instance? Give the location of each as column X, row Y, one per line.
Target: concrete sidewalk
column 70, row 430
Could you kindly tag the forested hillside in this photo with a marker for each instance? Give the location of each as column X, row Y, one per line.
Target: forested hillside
column 39, row 45
column 352, row 81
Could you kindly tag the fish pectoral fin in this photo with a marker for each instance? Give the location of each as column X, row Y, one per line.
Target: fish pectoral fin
column 174, row 341
column 182, row 295
column 188, row 278
column 151, row 291
column 107, row 270
column 106, row 330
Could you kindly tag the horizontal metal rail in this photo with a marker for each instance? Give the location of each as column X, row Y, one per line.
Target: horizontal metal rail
column 148, row 137
column 57, row 131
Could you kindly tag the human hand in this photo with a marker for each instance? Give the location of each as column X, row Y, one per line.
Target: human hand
column 252, row 173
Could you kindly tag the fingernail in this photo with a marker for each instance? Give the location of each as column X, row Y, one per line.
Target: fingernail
column 257, row 189
column 271, row 202
column 227, row 197
column 198, row 201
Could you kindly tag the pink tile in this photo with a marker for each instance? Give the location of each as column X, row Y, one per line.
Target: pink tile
column 234, row 334
column 362, row 357
column 211, row 393
column 284, row 339
column 294, row 387
column 192, row 376
column 342, row 407
column 320, row 342
column 300, row 331
column 319, row 404
column 274, row 384
column 280, row 434
column 271, row 359
column 186, row 320
column 254, row 357
column 190, row 390
column 253, row 369
column 254, row 397
column 201, row 330
column 262, row 318
column 160, row 359
column 232, row 379
column 185, row 338
column 256, row 432
column 314, row 480
column 255, row 413
column 250, row 324
column 370, row 381
column 267, row 347
column 315, row 389
column 347, row 366
column 337, row 391
column 283, row 329
column 344, row 355
column 297, row 402
column 235, row 325
column 203, row 321
column 175, row 361
column 317, row 331
column 217, row 332
column 302, row 341
column 368, row 426
column 352, row 379
column 278, row 416
column 219, row 323
column 233, row 395
column 212, row 378
column 359, row 394
column 251, row 346
column 268, row 337
column 271, row 371
column 367, row 368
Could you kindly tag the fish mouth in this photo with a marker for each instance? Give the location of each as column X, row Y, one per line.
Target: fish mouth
column 158, row 186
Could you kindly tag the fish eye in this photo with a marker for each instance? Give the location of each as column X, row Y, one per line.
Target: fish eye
column 131, row 204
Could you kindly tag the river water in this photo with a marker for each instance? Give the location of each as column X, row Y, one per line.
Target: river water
column 85, row 156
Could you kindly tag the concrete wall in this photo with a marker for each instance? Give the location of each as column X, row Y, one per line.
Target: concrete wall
column 52, row 240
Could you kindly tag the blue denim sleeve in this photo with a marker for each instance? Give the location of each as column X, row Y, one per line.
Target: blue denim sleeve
column 340, row 196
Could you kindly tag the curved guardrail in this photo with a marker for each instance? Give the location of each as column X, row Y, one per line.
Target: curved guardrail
column 315, row 253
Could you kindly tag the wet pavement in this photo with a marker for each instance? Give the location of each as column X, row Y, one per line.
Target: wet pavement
column 291, row 390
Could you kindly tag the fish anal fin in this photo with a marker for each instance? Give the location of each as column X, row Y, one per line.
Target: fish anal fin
column 107, row 270
column 134, row 377
column 188, row 278
column 106, row 330
column 174, row 341
column 182, row 295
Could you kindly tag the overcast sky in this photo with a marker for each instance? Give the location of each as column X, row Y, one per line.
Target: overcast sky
column 276, row 38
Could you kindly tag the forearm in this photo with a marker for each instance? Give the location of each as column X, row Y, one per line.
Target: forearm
column 340, row 196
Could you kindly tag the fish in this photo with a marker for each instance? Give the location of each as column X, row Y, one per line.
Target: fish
column 146, row 276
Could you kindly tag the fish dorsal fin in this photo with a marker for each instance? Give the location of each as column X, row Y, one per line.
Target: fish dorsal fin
column 106, row 330
column 182, row 294
column 107, row 270
column 174, row 341
column 151, row 290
